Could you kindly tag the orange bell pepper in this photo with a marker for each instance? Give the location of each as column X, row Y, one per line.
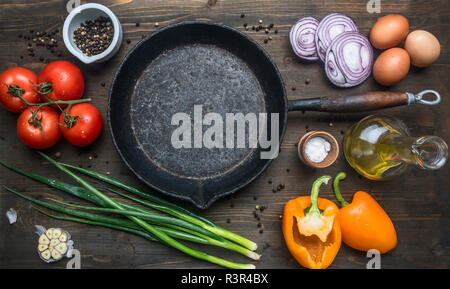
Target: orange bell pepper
column 311, row 228
column 364, row 223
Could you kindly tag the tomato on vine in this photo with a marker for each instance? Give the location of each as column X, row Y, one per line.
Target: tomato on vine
column 38, row 127
column 81, row 124
column 17, row 84
column 60, row 80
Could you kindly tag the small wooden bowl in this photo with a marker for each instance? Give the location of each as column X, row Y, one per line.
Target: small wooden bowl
column 332, row 154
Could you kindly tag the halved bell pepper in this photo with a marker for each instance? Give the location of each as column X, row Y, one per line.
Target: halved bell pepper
column 364, row 223
column 311, row 228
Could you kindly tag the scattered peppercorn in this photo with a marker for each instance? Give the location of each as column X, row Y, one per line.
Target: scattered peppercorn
column 94, row 37
column 156, row 24
column 245, row 24
column 138, row 24
column 242, row 15
column 270, row 37
column 265, row 40
column 103, row 84
column 271, row 25
column 57, row 155
column 128, row 41
column 276, row 31
column 228, row 221
column 307, row 81
column 293, row 88
column 260, row 21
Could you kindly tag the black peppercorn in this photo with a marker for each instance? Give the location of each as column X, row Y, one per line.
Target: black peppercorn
column 93, row 37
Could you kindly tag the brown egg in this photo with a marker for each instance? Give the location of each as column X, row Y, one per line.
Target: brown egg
column 389, row 31
column 423, row 47
column 391, row 66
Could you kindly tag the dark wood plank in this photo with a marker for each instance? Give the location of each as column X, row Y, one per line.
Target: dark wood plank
column 417, row 202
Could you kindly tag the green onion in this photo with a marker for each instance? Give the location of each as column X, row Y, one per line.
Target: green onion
column 151, row 229
column 128, row 226
column 168, row 205
column 167, row 209
column 65, row 187
column 213, row 241
column 85, row 194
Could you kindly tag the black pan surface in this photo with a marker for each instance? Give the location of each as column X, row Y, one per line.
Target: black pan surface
column 192, row 68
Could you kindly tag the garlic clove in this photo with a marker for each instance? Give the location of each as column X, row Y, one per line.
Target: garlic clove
column 56, row 233
column 43, row 239
column 56, row 255
column 42, row 247
column 62, row 248
column 54, row 242
column 63, row 237
column 46, row 254
column 49, row 233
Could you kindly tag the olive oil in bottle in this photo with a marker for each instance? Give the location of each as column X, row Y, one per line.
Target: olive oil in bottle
column 379, row 148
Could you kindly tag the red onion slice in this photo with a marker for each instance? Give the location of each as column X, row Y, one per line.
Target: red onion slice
column 329, row 28
column 349, row 59
column 302, row 38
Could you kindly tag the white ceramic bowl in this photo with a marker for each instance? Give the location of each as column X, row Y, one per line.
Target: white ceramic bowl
column 83, row 13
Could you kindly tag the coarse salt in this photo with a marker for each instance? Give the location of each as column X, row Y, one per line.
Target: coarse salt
column 316, row 149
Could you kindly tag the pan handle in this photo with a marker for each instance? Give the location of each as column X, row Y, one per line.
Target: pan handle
column 362, row 102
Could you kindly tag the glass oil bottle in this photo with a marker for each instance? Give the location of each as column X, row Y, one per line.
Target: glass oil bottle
column 379, row 147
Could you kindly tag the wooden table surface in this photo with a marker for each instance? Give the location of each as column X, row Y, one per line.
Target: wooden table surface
column 417, row 202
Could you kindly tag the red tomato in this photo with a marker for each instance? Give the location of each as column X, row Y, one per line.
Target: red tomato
column 87, row 126
column 67, row 82
column 24, row 79
column 39, row 137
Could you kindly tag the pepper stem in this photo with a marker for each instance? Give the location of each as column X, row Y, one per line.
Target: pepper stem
column 337, row 191
column 314, row 208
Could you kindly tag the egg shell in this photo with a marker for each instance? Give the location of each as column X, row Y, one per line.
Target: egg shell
column 423, row 47
column 389, row 31
column 391, row 66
